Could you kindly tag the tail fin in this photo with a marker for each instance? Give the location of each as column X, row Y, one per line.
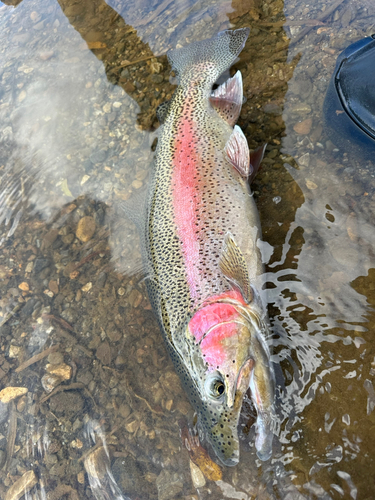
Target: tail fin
column 205, row 61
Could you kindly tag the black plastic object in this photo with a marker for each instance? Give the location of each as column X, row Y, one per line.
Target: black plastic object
column 349, row 107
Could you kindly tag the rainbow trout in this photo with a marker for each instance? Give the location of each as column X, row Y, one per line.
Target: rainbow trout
column 200, row 247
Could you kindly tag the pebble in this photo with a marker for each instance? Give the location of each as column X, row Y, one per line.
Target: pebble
column 86, row 228
column 55, row 358
column 197, row 475
column 49, row 382
column 132, row 426
column 311, row 184
column 304, row 127
column 103, row 353
column 22, row 96
column 46, row 55
column 24, row 286
column 62, row 370
column 169, row 485
column 35, row 16
column 21, row 487
column 301, row 109
column 87, row 287
column 10, row 393
column 14, row 351
column 53, row 286
column 107, row 108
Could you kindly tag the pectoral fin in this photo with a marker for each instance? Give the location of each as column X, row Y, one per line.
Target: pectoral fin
column 227, row 99
column 237, row 152
column 234, row 268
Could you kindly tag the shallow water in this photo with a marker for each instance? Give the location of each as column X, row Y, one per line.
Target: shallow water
column 80, row 83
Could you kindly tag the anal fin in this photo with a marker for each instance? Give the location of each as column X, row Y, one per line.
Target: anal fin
column 237, row 152
column 227, row 99
column 233, row 266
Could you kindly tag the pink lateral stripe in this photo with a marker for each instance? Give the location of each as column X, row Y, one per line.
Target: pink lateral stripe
column 185, row 192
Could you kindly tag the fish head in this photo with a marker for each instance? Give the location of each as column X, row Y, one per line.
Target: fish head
column 219, row 358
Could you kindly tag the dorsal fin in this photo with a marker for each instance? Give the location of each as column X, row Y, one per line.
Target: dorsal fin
column 256, row 158
column 237, row 152
column 227, row 99
column 233, row 266
column 162, row 111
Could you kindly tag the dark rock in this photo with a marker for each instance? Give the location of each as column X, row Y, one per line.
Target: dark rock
column 40, row 264
column 128, row 475
column 68, row 403
column 100, row 282
column 98, row 156
column 28, row 308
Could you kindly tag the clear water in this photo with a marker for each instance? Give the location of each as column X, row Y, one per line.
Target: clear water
column 80, row 83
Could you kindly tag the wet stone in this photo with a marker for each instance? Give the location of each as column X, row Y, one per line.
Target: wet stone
column 103, row 353
column 40, row 264
column 22, row 486
column 86, row 228
column 67, row 402
column 128, row 475
column 98, row 157
column 169, row 485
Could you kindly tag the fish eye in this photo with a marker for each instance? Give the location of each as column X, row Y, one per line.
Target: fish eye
column 219, row 388
column 215, row 386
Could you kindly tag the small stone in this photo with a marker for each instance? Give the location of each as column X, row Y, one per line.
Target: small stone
column 121, row 291
column 301, row 109
column 135, row 298
column 103, row 353
column 22, row 96
column 311, row 184
column 35, row 16
column 24, row 286
column 137, row 184
column 87, row 287
column 98, row 157
column 86, row 228
column 132, row 426
column 117, row 104
column 10, row 393
column 63, row 371
column 49, row 382
column 49, row 293
column 107, row 108
column 55, row 358
column 22, row 486
column 304, row 160
column 304, row 127
column 53, row 286
column 197, row 475
column 169, row 485
column 21, row 404
column 29, row 267
column 81, row 477
column 14, row 351
column 169, row 404
column 46, row 55
column 124, row 410
column 76, row 443
column 84, row 179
